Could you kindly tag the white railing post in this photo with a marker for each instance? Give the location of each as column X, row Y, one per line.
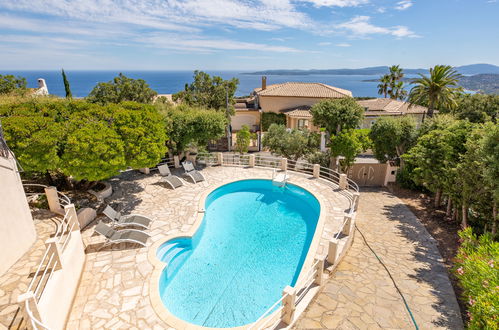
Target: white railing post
column 54, row 247
column 284, row 164
column 220, row 158
column 332, row 253
column 317, row 170
column 53, row 200
column 347, row 227
column 288, row 312
column 28, row 298
column 343, row 184
column 251, row 160
column 72, row 217
column 176, row 161
column 319, row 278
column 356, row 197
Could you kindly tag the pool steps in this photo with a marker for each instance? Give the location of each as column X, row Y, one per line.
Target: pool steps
column 174, row 254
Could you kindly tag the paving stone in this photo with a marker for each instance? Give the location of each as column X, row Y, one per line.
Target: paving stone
column 364, row 296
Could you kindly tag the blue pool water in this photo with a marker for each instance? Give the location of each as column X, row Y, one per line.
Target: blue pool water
column 252, row 243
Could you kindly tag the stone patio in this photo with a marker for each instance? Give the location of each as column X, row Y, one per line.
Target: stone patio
column 16, row 280
column 114, row 289
column 360, row 295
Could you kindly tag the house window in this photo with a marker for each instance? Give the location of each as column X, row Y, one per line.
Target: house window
column 302, row 123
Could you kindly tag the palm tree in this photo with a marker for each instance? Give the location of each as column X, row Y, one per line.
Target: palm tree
column 396, row 85
column 438, row 90
column 383, row 85
column 397, row 91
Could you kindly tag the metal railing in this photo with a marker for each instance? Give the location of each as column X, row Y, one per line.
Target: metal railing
column 63, row 199
column 263, row 322
column 272, row 317
column 50, row 261
column 325, row 173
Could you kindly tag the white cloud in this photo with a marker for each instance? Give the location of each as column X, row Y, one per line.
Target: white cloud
column 404, row 4
column 173, row 15
column 203, row 44
column 360, row 26
column 325, row 43
column 343, row 44
column 336, row 3
column 381, row 10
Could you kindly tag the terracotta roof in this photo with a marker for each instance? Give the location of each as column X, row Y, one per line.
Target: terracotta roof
column 302, row 111
column 301, row 89
column 389, row 106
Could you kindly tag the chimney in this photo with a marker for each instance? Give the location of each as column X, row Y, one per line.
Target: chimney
column 264, row 83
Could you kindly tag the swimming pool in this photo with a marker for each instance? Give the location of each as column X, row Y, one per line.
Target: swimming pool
column 252, row 242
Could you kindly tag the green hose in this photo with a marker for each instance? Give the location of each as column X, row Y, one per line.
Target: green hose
column 389, row 274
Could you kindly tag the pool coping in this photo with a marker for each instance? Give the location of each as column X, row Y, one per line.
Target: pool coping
column 155, row 298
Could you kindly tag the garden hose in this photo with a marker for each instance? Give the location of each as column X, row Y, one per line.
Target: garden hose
column 390, row 275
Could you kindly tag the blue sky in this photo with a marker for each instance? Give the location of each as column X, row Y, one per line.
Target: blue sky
column 245, row 34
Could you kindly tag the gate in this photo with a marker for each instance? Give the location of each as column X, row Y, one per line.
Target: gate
column 368, row 174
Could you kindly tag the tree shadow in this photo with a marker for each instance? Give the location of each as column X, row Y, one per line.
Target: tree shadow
column 432, row 270
column 126, row 188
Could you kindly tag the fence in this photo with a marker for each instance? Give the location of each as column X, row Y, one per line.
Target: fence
column 338, row 180
column 283, row 310
column 48, row 299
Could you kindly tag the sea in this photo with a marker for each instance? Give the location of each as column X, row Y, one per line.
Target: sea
column 169, row 82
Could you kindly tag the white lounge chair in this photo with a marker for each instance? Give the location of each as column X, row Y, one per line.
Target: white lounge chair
column 172, row 180
column 120, row 236
column 126, row 220
column 191, row 172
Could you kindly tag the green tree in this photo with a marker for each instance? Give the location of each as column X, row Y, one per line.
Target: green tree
column 477, row 108
column 491, row 168
column 35, row 142
column 292, row 144
column 243, row 139
column 186, row 125
column 121, row 89
column 392, row 137
column 10, row 83
column 437, row 91
column 69, row 95
column 337, row 114
column 143, row 133
column 384, row 84
column 93, row 152
column 210, row 92
column 349, row 144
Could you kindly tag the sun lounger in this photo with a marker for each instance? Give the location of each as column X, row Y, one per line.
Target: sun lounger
column 191, row 172
column 126, row 220
column 121, row 236
column 172, row 180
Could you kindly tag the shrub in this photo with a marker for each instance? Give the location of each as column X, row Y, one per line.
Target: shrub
column 477, row 269
column 243, row 139
column 269, row 118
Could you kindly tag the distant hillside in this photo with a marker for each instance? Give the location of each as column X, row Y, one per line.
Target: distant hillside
column 475, row 69
column 376, row 70
column 472, row 69
column 483, row 83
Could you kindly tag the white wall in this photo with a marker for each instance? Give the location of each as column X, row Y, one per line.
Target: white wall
column 17, row 230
